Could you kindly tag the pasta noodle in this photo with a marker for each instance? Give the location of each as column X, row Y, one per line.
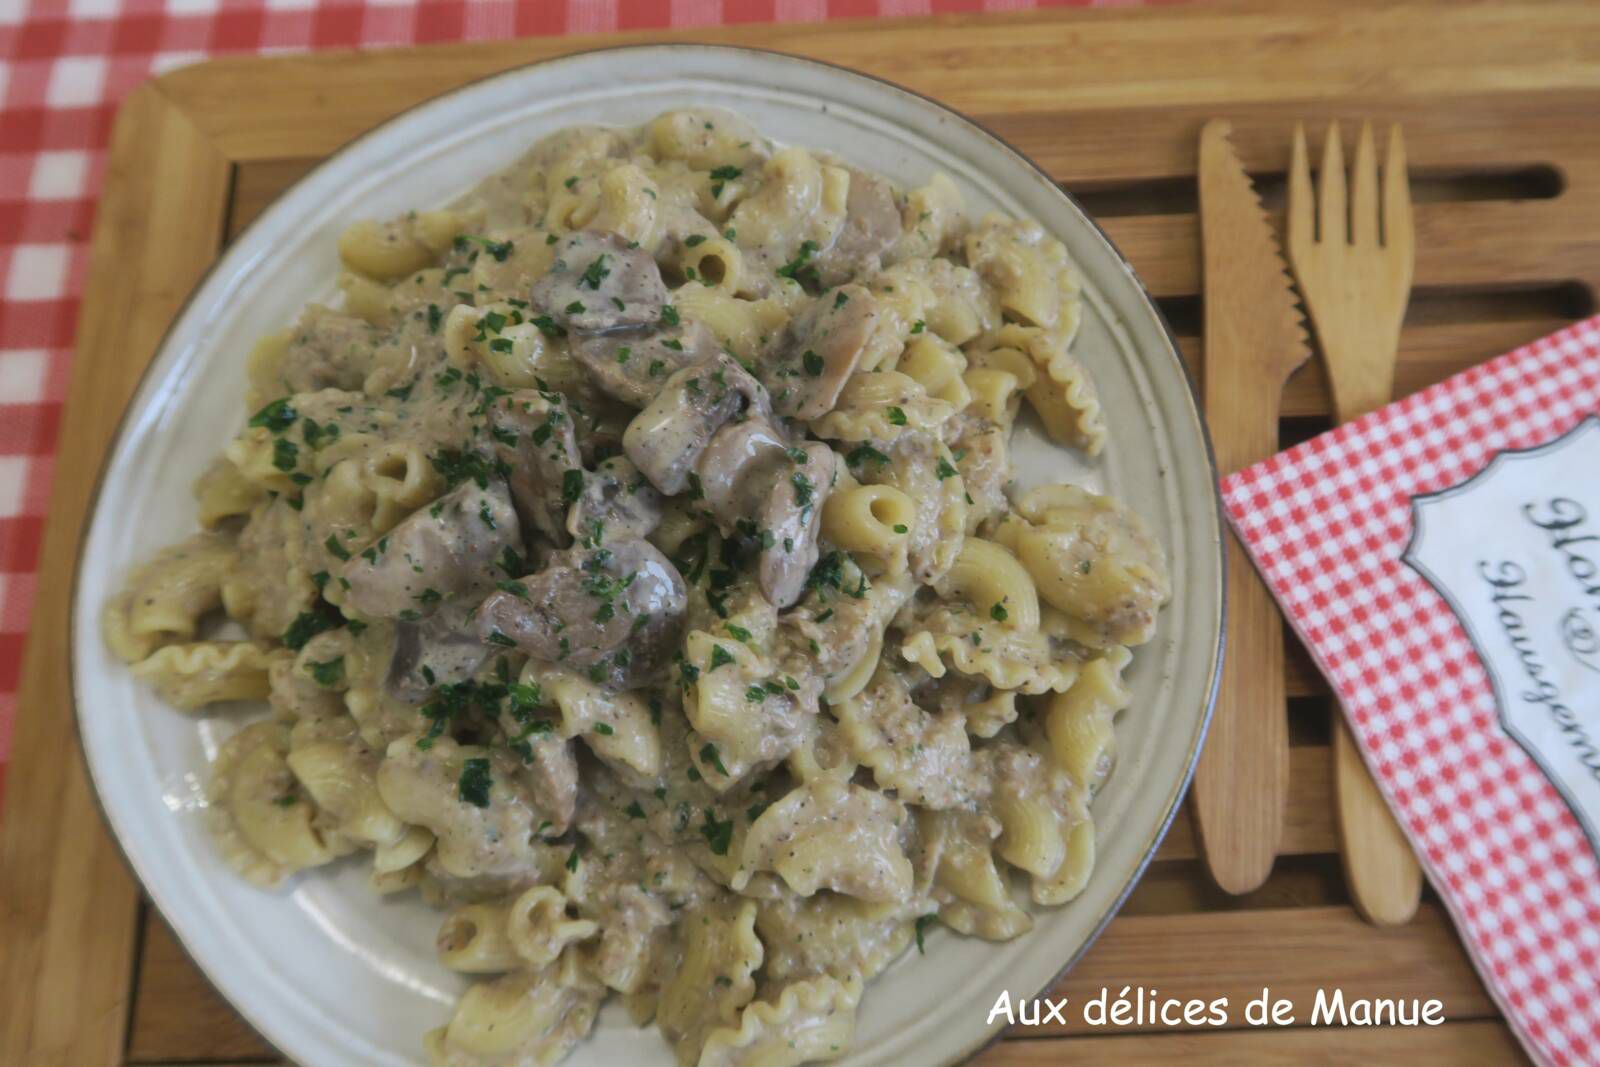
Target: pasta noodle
column 632, row 566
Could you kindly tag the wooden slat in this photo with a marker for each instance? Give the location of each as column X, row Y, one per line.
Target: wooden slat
column 1474, row 1044
column 1308, row 820
column 177, row 1013
column 1226, row 56
column 67, row 905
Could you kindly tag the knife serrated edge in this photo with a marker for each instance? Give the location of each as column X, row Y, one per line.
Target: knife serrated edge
column 1231, row 214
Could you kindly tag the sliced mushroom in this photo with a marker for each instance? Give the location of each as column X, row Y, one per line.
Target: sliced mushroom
column 754, row 479
column 815, row 356
column 435, row 553
column 739, row 468
column 617, row 504
column 598, row 283
column 536, row 438
column 632, row 367
column 871, row 226
column 792, row 516
column 616, row 610
column 442, row 649
column 665, row 440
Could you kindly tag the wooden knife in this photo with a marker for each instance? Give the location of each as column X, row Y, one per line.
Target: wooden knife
column 1254, row 339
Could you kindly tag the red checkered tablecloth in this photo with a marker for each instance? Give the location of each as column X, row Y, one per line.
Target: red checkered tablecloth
column 1330, row 525
column 65, row 65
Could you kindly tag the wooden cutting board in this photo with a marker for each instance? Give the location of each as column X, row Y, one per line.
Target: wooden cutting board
column 1501, row 105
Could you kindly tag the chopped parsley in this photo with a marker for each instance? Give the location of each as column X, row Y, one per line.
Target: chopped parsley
column 945, row 470
column 594, row 273
column 812, row 363
column 333, row 546
column 277, row 416
column 800, row 268
column 457, row 466
column 719, row 835
column 476, row 781
column 862, row 453
column 897, row 416
column 285, row 454
column 669, row 316
column 694, row 240
column 918, row 326
column 720, row 657
column 998, row 612
column 307, row 624
column 329, row 673
column 709, row 754
column 548, row 326
column 500, row 250
column 604, row 729
column 923, row 922
column 571, row 485
column 803, row 489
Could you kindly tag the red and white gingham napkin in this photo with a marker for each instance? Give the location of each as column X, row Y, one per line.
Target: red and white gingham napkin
column 65, row 65
column 1327, row 523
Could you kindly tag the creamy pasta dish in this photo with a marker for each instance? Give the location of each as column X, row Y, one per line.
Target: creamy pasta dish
column 633, row 567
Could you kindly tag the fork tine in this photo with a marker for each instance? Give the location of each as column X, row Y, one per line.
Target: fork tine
column 1332, row 217
column 1397, row 226
column 1302, row 234
column 1364, row 192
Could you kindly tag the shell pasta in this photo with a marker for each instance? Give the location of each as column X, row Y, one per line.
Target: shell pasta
column 633, row 569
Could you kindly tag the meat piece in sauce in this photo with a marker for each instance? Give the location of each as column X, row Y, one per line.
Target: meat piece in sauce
column 633, row 366
column 871, row 226
column 617, row 504
column 665, row 440
column 437, row 552
column 442, row 649
column 597, row 284
column 808, row 366
column 536, row 438
column 327, row 350
column 616, row 610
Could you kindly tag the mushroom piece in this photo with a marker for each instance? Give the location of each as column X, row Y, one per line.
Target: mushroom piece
column 810, row 363
column 665, row 440
column 617, row 504
column 598, row 283
column 632, row 367
column 441, row 649
column 793, row 516
column 754, row 479
column 871, row 226
column 616, row 610
column 435, row 553
column 535, row 437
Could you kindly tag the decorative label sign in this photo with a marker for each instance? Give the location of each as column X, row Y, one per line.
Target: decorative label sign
column 1515, row 551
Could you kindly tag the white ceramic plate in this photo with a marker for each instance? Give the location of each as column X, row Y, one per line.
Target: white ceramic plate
column 330, row 973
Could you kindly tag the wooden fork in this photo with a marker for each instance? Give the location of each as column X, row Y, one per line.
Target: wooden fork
column 1354, row 264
